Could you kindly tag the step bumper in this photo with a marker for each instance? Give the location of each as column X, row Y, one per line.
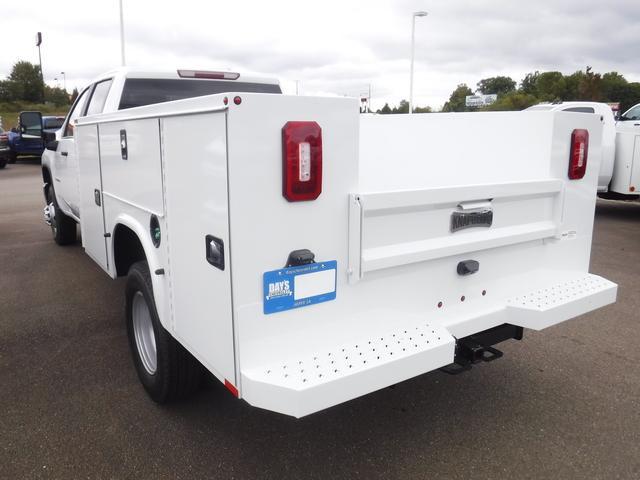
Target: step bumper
column 326, row 377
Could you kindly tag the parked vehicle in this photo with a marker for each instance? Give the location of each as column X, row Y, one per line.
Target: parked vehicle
column 626, row 172
column 31, row 145
column 4, row 148
column 305, row 254
column 620, row 146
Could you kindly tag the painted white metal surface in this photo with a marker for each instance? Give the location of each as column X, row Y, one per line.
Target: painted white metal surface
column 390, row 185
column 302, row 385
column 555, row 303
column 91, row 202
column 138, row 178
column 195, row 181
column 608, row 139
column 626, row 173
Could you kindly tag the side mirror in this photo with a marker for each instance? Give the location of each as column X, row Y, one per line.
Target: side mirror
column 49, row 137
column 31, row 124
column 52, row 145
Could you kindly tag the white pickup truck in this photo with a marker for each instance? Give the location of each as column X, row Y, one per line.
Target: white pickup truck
column 305, row 254
column 619, row 176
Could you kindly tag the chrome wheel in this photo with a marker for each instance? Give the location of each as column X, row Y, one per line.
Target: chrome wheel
column 144, row 334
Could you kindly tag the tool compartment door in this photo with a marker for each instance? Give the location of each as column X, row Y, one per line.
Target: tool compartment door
column 195, row 180
column 91, row 200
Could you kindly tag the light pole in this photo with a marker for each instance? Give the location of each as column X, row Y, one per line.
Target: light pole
column 38, row 43
column 64, row 80
column 122, row 35
column 413, row 46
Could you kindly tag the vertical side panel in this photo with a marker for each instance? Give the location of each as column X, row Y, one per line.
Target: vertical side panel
column 195, row 163
column 635, row 169
column 91, row 200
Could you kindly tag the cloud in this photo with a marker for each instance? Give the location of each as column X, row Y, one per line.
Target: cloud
column 332, row 47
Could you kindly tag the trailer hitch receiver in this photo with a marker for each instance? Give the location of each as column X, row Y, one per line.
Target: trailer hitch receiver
column 478, row 347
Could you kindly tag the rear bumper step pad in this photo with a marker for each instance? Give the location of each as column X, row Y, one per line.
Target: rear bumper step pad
column 550, row 305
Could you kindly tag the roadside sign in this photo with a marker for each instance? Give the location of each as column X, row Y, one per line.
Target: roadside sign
column 480, row 100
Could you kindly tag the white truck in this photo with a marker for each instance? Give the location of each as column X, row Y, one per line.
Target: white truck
column 619, row 176
column 305, row 254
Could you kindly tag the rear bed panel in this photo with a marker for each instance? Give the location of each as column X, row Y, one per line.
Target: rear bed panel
column 388, row 228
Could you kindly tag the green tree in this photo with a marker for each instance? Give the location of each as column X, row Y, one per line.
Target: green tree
column 426, row 109
column 528, row 84
column 457, row 100
column 614, row 86
column 512, row 101
column 499, row 85
column 384, row 110
column 629, row 97
column 75, row 94
column 550, row 87
column 26, row 82
column 402, row 108
column 590, row 86
column 57, row 96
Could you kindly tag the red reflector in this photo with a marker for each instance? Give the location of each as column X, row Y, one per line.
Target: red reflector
column 579, row 153
column 301, row 161
column 231, row 387
column 237, row 100
column 210, row 75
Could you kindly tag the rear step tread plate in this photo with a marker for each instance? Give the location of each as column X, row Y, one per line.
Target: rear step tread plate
column 299, row 386
column 547, row 306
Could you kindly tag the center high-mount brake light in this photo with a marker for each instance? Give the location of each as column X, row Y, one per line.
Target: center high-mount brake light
column 209, row 75
column 578, row 154
column 301, row 161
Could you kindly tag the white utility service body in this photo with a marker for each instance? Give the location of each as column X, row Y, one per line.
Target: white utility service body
column 390, row 188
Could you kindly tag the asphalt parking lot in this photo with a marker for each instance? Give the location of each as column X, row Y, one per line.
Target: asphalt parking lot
column 563, row 403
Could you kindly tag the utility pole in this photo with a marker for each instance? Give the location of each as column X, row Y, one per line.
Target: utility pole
column 38, row 43
column 64, row 80
column 122, row 35
column 413, row 47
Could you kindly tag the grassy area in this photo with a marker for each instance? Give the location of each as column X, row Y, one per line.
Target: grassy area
column 9, row 111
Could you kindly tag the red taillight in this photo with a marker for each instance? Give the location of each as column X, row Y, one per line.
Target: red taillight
column 211, row 75
column 301, row 161
column 578, row 154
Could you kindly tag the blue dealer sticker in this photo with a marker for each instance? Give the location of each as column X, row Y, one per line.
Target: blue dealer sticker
column 295, row 287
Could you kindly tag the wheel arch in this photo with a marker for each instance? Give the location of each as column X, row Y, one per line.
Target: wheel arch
column 130, row 243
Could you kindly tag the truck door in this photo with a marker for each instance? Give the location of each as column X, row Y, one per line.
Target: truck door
column 92, row 223
column 65, row 173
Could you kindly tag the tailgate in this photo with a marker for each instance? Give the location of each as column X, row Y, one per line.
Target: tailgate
column 389, row 229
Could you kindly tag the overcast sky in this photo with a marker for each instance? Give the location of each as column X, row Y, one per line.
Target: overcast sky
column 331, row 47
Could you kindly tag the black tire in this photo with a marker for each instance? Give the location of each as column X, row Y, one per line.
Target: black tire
column 63, row 227
column 12, row 157
column 177, row 373
column 3, row 162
